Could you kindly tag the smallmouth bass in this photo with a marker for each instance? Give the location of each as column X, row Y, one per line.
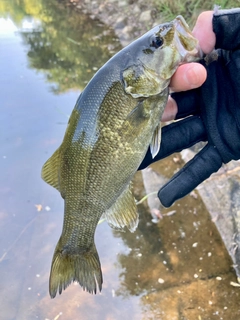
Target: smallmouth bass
column 115, row 120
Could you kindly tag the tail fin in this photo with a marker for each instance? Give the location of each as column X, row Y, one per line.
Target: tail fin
column 83, row 267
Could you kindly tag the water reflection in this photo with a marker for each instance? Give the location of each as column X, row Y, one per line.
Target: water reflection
column 65, row 44
column 173, row 265
column 162, row 271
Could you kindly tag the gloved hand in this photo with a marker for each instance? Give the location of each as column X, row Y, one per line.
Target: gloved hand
column 215, row 114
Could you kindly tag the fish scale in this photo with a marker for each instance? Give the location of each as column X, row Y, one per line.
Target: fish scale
column 115, row 120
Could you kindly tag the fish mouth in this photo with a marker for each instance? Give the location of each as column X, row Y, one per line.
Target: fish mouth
column 187, row 45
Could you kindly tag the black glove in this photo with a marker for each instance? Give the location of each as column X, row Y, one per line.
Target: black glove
column 215, row 114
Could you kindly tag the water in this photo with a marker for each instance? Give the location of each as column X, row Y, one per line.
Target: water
column 175, row 269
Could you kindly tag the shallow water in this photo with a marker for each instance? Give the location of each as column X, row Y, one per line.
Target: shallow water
column 177, row 268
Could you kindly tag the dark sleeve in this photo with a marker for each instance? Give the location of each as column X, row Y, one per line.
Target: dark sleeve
column 226, row 26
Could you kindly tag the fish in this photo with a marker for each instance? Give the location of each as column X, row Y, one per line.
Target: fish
column 115, row 120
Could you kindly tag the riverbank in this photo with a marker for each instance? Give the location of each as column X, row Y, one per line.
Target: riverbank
column 130, row 18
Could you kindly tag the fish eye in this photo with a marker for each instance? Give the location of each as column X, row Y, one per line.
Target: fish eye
column 156, row 42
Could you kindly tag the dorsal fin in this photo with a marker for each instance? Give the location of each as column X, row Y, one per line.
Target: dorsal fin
column 123, row 212
column 50, row 170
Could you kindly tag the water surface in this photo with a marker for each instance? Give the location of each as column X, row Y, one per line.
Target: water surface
column 175, row 269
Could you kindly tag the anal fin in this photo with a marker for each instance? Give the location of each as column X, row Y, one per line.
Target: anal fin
column 50, row 170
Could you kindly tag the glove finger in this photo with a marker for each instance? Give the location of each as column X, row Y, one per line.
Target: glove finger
column 176, row 137
column 187, row 102
column 207, row 161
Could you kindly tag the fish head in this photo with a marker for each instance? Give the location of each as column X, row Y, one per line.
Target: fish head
column 157, row 56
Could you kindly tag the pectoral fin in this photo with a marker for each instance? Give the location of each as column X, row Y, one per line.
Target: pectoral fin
column 123, row 212
column 156, row 141
column 50, row 170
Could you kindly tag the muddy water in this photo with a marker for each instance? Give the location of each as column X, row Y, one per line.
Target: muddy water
column 177, row 268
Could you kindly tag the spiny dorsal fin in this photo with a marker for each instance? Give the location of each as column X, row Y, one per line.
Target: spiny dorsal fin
column 50, row 170
column 156, row 141
column 123, row 212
